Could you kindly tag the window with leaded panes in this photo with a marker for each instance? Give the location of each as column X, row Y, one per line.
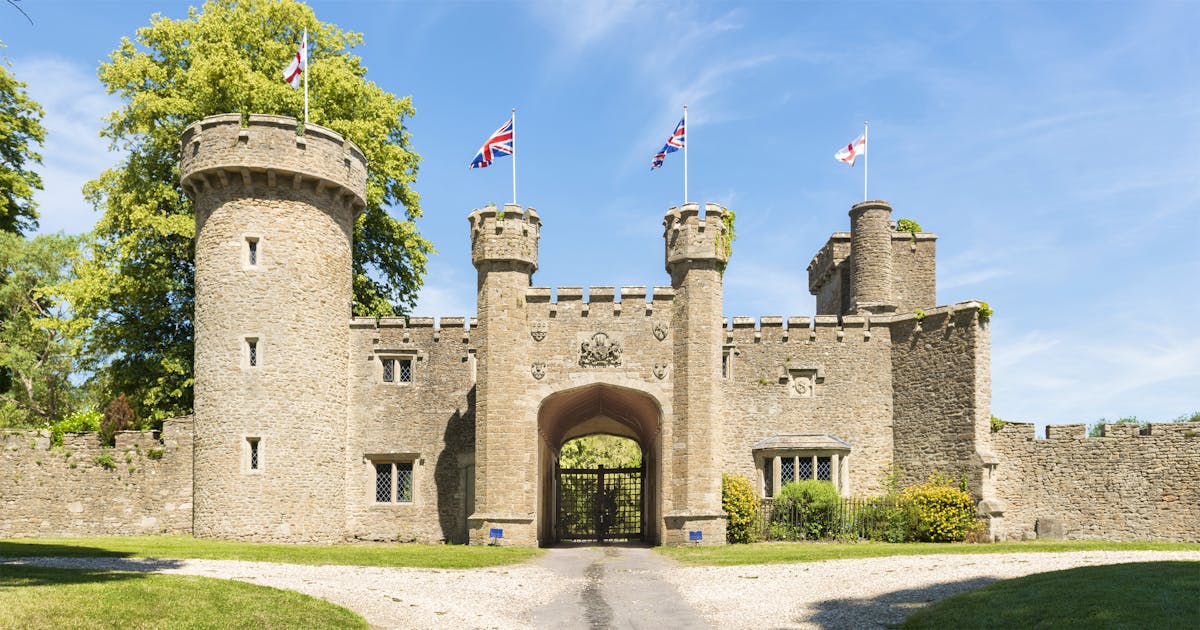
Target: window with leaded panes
column 406, row 371
column 389, row 370
column 824, row 469
column 805, row 468
column 393, row 482
column 787, row 470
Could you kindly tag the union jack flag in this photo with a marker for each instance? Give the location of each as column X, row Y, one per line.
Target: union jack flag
column 674, row 143
column 497, row 145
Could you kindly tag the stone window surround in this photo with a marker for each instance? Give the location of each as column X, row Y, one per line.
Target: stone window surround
column 397, row 355
column 258, row 241
column 257, row 340
column 838, row 461
column 247, row 440
column 372, row 459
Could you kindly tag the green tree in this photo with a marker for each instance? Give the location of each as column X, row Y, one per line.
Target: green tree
column 136, row 284
column 20, row 129
column 609, row 451
column 39, row 339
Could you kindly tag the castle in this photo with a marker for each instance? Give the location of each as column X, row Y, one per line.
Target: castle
column 314, row 426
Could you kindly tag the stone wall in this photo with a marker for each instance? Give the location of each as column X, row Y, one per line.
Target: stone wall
column 64, row 491
column 1124, row 486
column 429, row 421
column 942, row 394
column 814, row 376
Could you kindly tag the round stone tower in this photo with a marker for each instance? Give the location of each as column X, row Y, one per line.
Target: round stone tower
column 697, row 249
column 275, row 217
column 871, row 249
column 504, row 249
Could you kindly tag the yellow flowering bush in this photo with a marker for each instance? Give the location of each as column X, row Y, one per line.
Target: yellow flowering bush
column 741, row 504
column 940, row 512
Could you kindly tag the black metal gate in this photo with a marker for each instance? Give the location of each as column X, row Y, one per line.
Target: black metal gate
column 599, row 504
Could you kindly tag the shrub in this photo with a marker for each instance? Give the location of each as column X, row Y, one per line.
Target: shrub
column 997, row 424
column 940, row 512
column 887, row 519
column 105, row 460
column 741, row 505
column 86, row 420
column 155, row 453
column 804, row 510
column 117, row 417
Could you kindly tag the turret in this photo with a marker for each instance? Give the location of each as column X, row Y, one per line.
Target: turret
column 504, row 249
column 275, row 216
column 871, row 250
column 696, row 252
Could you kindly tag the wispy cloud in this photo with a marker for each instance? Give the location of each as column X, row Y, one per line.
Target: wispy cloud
column 75, row 104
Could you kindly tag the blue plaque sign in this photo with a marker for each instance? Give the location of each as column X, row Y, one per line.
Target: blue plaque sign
column 496, row 533
column 696, row 536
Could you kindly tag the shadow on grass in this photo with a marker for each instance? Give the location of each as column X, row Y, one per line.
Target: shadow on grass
column 23, row 575
column 32, row 548
column 889, row 609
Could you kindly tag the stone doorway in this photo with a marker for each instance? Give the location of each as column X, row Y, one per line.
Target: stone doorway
column 573, row 504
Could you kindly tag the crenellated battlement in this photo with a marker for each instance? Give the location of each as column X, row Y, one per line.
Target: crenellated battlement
column 219, row 152
column 689, row 237
column 1026, row 431
column 508, row 234
column 633, row 299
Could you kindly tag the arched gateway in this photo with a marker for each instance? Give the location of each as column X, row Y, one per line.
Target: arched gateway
column 600, row 505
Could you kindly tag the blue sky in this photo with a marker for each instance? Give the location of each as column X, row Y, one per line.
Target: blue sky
column 1053, row 147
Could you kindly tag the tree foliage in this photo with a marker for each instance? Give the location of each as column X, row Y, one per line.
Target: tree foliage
column 226, row 57
column 39, row 340
column 20, row 129
column 609, row 451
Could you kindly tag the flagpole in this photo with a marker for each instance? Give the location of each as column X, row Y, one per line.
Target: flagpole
column 304, row 70
column 514, row 154
column 866, row 157
column 685, row 145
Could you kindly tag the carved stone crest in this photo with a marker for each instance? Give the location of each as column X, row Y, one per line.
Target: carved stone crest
column 537, row 330
column 660, row 371
column 802, row 382
column 600, row 351
column 660, row 331
column 538, row 369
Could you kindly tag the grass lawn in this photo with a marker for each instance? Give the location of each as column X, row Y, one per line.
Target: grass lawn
column 778, row 553
column 374, row 554
column 1142, row 595
column 34, row 598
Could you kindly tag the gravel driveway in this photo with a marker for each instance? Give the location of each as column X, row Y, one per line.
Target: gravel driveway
column 636, row 588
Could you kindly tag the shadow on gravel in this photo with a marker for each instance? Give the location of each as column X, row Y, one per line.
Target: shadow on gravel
column 888, row 609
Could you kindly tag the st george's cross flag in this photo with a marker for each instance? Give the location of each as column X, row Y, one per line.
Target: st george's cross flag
column 850, row 152
column 295, row 69
column 498, row 144
column 677, row 141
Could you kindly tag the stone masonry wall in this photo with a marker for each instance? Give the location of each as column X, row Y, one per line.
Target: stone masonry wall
column 1123, row 486
column 429, row 421
column 942, row 400
column 63, row 491
column 845, row 390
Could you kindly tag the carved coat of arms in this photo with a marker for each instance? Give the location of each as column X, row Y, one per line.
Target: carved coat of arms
column 600, row 351
column 660, row 331
column 660, row 371
column 538, row 370
column 537, row 330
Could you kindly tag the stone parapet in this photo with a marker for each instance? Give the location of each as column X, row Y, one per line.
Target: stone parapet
column 218, row 151
column 510, row 234
column 692, row 238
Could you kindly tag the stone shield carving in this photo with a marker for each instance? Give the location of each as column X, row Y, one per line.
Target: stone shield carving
column 538, row 370
column 537, row 330
column 660, row 371
column 660, row 331
column 600, row 351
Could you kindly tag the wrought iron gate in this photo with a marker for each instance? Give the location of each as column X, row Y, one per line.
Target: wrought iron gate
column 599, row 504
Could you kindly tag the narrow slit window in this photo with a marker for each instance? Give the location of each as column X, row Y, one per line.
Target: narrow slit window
column 252, row 352
column 252, row 251
column 406, row 372
column 389, row 370
column 253, row 443
column 725, row 364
